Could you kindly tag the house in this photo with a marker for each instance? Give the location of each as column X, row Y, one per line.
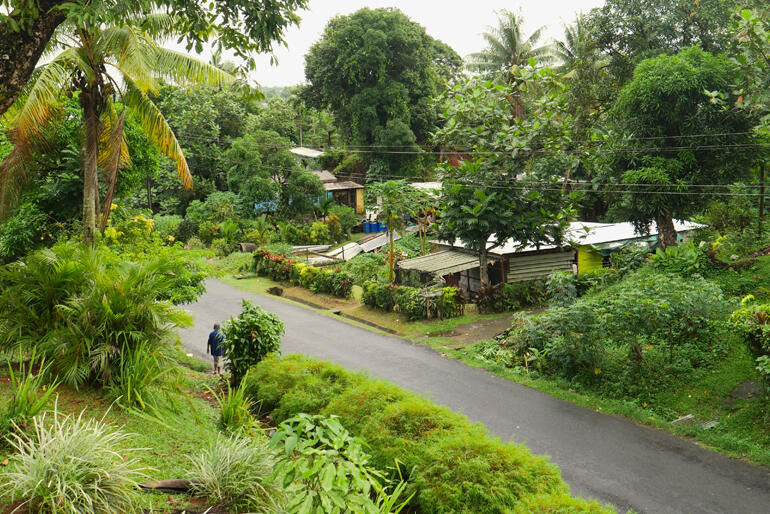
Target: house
column 344, row 192
column 587, row 246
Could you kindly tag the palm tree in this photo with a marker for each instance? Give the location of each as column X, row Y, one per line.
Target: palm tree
column 577, row 49
column 88, row 61
column 507, row 49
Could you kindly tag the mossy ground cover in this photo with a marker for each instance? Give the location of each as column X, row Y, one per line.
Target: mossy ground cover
column 164, row 444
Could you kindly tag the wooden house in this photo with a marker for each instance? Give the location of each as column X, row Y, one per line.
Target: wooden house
column 587, row 246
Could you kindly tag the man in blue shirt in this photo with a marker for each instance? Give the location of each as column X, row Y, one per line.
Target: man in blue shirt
column 214, row 347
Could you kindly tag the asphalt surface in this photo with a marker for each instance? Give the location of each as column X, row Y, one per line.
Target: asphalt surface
column 600, row 456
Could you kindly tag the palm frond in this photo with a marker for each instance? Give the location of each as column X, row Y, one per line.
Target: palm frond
column 157, row 129
column 126, row 49
column 182, row 68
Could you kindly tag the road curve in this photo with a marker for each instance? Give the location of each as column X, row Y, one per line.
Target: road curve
column 600, row 456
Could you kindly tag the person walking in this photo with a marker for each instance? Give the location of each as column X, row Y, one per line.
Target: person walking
column 214, row 347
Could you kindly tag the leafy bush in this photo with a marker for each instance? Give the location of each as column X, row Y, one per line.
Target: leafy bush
column 346, row 217
column 629, row 258
column 451, row 464
column 408, row 246
column 69, row 464
column 684, row 259
column 143, row 379
column 186, row 230
column 414, row 303
column 30, row 392
column 234, row 473
column 249, row 338
column 325, row 469
column 639, row 335
column 22, row 232
column 208, row 231
column 596, row 278
column 168, row 225
column 511, row 297
column 282, row 269
column 222, row 248
column 753, row 322
column 562, row 287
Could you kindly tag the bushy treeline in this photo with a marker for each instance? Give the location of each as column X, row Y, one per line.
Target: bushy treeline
column 413, row 302
column 449, row 463
column 283, row 269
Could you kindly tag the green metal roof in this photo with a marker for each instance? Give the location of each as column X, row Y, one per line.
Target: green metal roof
column 442, row 263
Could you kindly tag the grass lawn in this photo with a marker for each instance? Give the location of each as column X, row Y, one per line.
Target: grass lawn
column 164, row 446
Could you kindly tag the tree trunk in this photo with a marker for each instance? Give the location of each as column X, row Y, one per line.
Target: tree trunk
column 483, row 265
column 666, row 231
column 392, row 259
column 115, row 142
column 148, row 184
column 761, row 200
column 90, row 167
column 21, row 50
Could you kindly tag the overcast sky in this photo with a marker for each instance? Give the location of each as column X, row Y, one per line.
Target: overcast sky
column 457, row 23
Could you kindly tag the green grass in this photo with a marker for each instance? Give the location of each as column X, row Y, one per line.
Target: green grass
column 164, row 446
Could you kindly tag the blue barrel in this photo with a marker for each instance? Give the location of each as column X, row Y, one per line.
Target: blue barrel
column 367, row 227
column 376, row 226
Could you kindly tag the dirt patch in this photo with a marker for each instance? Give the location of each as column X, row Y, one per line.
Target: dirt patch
column 465, row 335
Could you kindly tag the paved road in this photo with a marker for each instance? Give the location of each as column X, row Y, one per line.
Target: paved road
column 601, row 456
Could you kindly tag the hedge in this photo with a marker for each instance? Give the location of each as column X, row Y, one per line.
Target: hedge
column 450, row 463
column 319, row 280
column 413, row 302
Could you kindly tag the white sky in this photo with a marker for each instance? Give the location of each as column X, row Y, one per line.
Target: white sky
column 457, row 23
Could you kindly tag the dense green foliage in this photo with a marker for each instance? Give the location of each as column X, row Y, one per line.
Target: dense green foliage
column 30, row 392
column 753, row 320
column 376, row 71
column 319, row 280
column 96, row 318
column 413, row 302
column 249, row 337
column 628, row 340
column 449, row 463
column 510, row 297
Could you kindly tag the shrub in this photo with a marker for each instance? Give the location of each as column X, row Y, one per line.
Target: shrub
column 143, row 378
column 186, row 230
column 753, row 322
column 412, row 302
column 277, row 267
column 346, row 216
column 641, row 334
column 234, row 473
column 596, row 278
column 208, row 231
column 223, row 248
column 629, row 258
column 249, row 338
column 328, row 470
column 562, row 287
column 511, row 297
column 451, row 464
column 685, row 259
column 71, row 465
column 22, row 232
column 168, row 225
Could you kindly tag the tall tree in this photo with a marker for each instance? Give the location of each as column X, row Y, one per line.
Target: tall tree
column 507, row 48
column 376, row 71
column 511, row 185
column 679, row 129
column 91, row 60
column 629, row 32
column 243, row 26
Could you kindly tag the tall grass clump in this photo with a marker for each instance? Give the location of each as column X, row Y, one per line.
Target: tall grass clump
column 30, row 393
column 235, row 410
column 449, row 463
column 234, row 473
column 71, row 465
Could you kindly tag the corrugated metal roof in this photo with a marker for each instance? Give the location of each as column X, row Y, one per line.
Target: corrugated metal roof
column 324, row 176
column 442, row 263
column 301, row 151
column 336, row 186
column 585, row 233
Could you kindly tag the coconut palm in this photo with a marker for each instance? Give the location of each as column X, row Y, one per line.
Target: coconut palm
column 109, row 69
column 577, row 49
column 508, row 48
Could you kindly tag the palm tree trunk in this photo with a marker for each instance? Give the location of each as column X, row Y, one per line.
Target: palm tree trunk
column 90, row 167
column 116, row 138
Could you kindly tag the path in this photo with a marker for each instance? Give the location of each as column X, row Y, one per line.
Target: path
column 601, row 456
